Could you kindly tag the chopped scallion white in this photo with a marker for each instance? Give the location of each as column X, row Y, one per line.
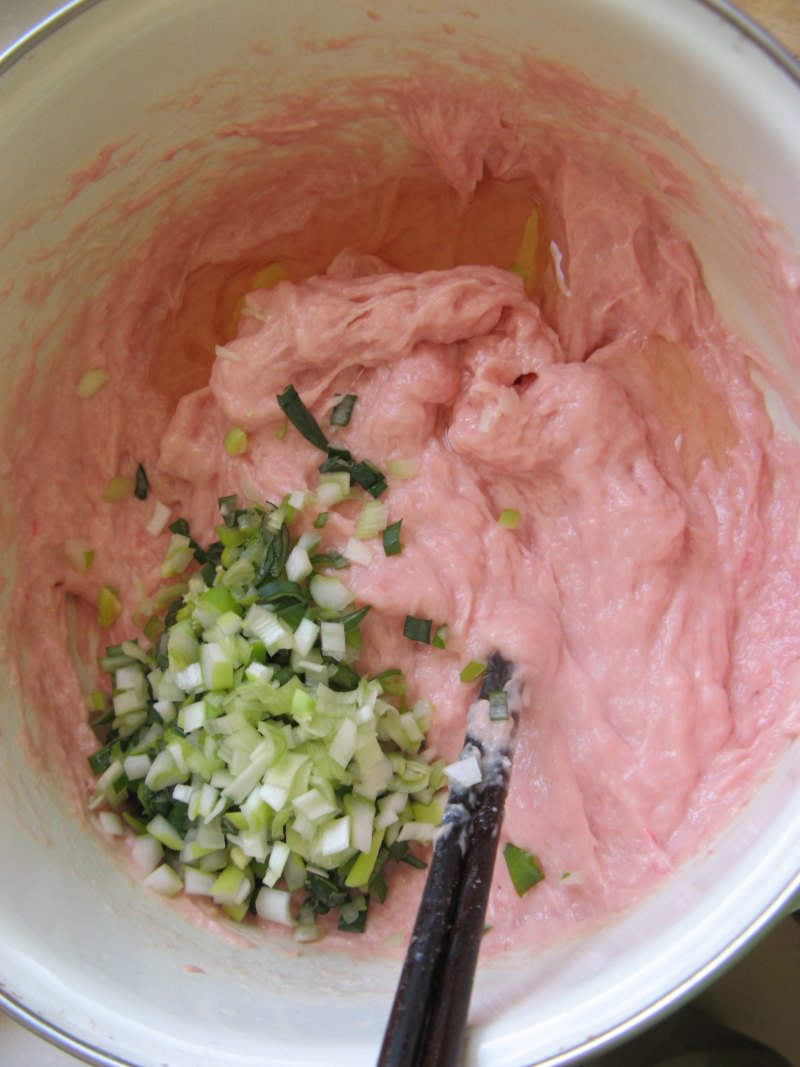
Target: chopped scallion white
column 275, row 906
column 357, row 552
column 372, row 520
column 298, row 565
column 147, row 853
column 159, row 519
column 333, row 640
column 164, row 880
column 79, row 553
column 333, row 488
column 110, row 823
column 465, row 772
column 328, row 592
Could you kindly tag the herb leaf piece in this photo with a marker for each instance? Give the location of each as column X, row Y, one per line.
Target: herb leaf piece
column 301, row 418
column 523, row 868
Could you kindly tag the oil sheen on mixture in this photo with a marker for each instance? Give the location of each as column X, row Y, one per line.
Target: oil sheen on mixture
column 647, row 591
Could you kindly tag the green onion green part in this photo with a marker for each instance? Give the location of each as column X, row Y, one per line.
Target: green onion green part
column 368, row 477
column 141, row 486
column 91, row 383
column 523, row 868
column 418, row 629
column 301, row 418
column 339, row 460
column 509, row 518
column 108, row 607
column 117, row 488
column 343, row 412
column 474, row 669
column 439, row 637
column 235, row 441
column 498, row 705
column 391, row 539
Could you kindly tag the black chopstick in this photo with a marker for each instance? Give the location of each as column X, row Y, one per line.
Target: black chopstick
column 427, row 1023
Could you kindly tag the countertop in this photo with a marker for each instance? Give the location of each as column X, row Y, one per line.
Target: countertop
column 760, row 995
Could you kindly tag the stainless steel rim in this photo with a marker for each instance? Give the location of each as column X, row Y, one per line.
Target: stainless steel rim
column 790, row 64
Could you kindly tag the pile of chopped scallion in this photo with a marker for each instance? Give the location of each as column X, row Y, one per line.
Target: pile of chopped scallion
column 254, row 764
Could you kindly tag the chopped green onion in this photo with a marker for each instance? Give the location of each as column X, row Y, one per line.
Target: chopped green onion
column 509, row 518
column 418, row 629
column 401, row 853
column 153, row 628
column 358, row 552
column 159, row 519
column 178, row 556
column 108, row 607
column 391, row 539
column 92, row 382
column 110, row 823
column 332, row 558
column 333, row 488
column 235, row 441
column 368, row 476
column 342, row 413
column 333, row 640
column 79, row 553
column 353, row 620
column 439, row 637
column 96, row 700
column 141, row 484
column 352, row 918
column 321, row 520
column 298, row 565
column 402, row 468
column 245, row 747
column 117, row 488
column 283, row 426
column 392, row 681
column 339, row 460
column 465, row 772
column 227, row 509
column 498, row 705
column 328, row 592
column 523, row 867
column 275, row 906
column 474, row 669
column 164, row 880
column 372, row 519
column 301, row 418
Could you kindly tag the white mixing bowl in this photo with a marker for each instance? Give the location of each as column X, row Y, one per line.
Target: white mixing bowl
column 89, row 959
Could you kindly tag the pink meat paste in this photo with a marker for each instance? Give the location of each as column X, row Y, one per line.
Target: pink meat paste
column 648, row 592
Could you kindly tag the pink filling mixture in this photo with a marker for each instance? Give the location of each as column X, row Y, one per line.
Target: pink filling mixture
column 648, row 593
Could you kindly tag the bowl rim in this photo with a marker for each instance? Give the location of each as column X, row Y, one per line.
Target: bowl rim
column 728, row 11
column 689, row 986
